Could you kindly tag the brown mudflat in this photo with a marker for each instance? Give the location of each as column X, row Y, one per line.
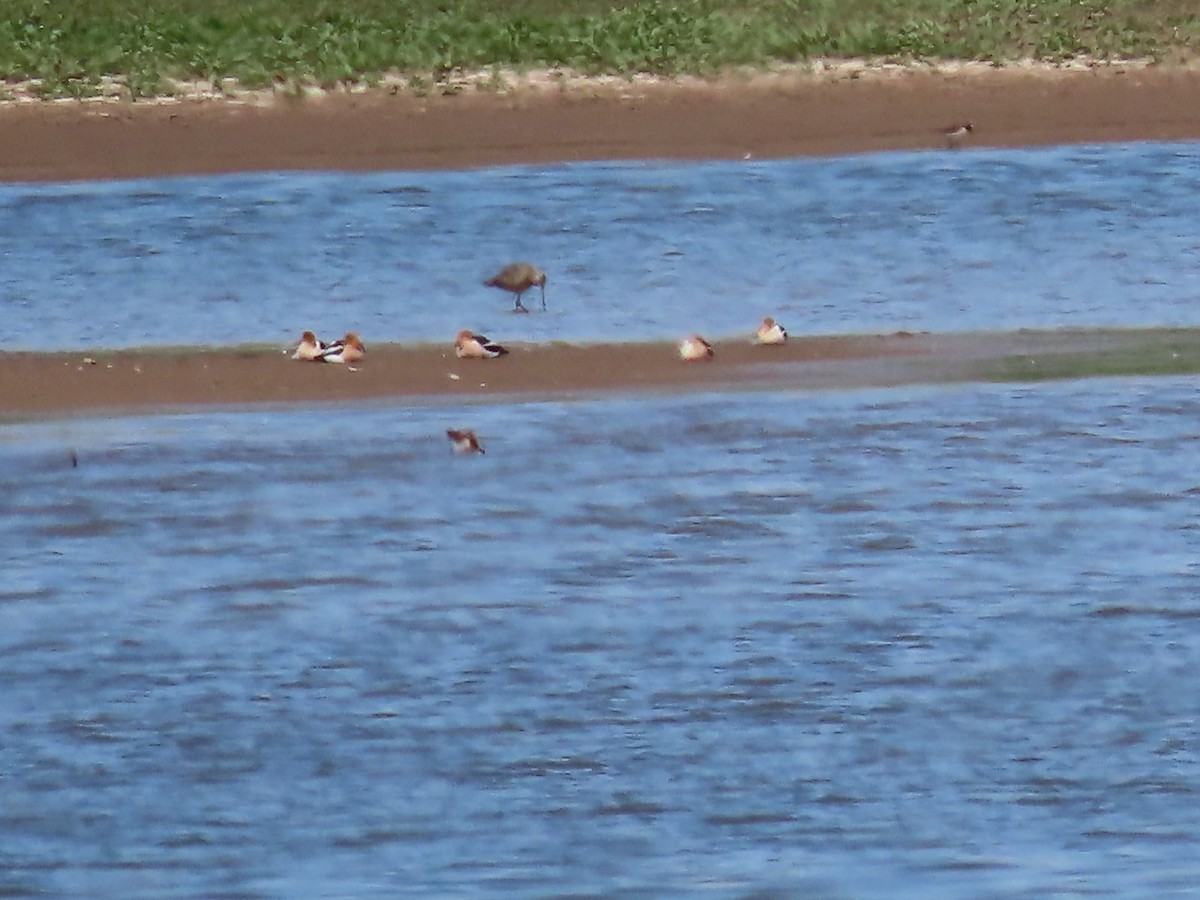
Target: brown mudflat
column 154, row 380
column 763, row 118
column 33, row 383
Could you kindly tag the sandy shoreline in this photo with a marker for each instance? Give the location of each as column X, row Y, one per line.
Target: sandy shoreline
column 34, row 385
column 848, row 111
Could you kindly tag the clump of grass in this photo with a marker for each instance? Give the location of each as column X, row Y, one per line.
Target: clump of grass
column 71, row 45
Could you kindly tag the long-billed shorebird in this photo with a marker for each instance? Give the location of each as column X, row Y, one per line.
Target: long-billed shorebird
column 517, row 278
column 770, row 332
column 464, row 441
column 695, row 348
column 468, row 345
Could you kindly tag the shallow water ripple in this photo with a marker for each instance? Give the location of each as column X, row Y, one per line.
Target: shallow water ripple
column 868, row 644
column 938, row 241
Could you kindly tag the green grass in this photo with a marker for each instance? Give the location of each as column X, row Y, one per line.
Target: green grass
column 69, row 46
column 1155, row 353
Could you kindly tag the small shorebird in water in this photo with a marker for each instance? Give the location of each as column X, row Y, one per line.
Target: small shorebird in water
column 308, row 348
column 770, row 332
column 348, row 350
column 469, row 345
column 517, row 278
column 464, row 441
column 956, row 134
column 695, row 348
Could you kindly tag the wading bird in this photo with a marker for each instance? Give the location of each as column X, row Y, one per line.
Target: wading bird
column 517, row 278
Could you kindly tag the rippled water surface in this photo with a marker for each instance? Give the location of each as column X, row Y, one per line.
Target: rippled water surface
column 930, row 642
column 920, row 642
column 1099, row 235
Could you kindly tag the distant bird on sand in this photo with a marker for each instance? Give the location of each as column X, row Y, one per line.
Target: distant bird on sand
column 475, row 346
column 517, row 278
column 308, row 348
column 464, row 441
column 957, row 133
column 770, row 332
column 695, row 348
column 348, row 350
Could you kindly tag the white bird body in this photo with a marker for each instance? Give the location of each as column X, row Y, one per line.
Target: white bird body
column 770, row 332
column 469, row 345
column 308, row 348
column 348, row 350
column 695, row 348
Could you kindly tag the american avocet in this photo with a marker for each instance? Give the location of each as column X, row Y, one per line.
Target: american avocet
column 475, row 346
column 770, row 332
column 695, row 348
column 348, row 350
column 957, row 133
column 517, row 278
column 464, row 441
column 308, row 348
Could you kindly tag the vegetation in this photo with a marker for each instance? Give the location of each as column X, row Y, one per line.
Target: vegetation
column 1125, row 353
column 71, row 47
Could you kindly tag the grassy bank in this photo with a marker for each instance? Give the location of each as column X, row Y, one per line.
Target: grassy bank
column 80, row 47
column 1149, row 352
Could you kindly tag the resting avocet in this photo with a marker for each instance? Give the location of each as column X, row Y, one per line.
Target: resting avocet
column 469, row 345
column 348, row 350
column 308, row 348
column 695, row 348
column 770, row 332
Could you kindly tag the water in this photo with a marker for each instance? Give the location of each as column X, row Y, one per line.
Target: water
column 1104, row 235
column 928, row 642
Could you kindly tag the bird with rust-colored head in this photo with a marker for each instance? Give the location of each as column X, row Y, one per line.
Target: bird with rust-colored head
column 770, row 332
column 308, row 348
column 468, row 345
column 464, row 440
column 348, row 350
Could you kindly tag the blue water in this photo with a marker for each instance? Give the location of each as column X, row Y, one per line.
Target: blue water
column 1105, row 235
column 915, row 642
column 930, row 642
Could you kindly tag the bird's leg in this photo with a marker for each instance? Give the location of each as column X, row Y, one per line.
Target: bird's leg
column 520, row 307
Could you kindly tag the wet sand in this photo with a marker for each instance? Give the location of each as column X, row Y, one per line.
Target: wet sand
column 164, row 379
column 761, row 118
column 765, row 117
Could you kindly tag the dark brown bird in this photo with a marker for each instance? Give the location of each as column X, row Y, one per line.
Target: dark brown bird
column 956, row 134
column 517, row 278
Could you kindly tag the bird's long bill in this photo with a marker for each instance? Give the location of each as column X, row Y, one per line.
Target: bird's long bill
column 543, row 287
